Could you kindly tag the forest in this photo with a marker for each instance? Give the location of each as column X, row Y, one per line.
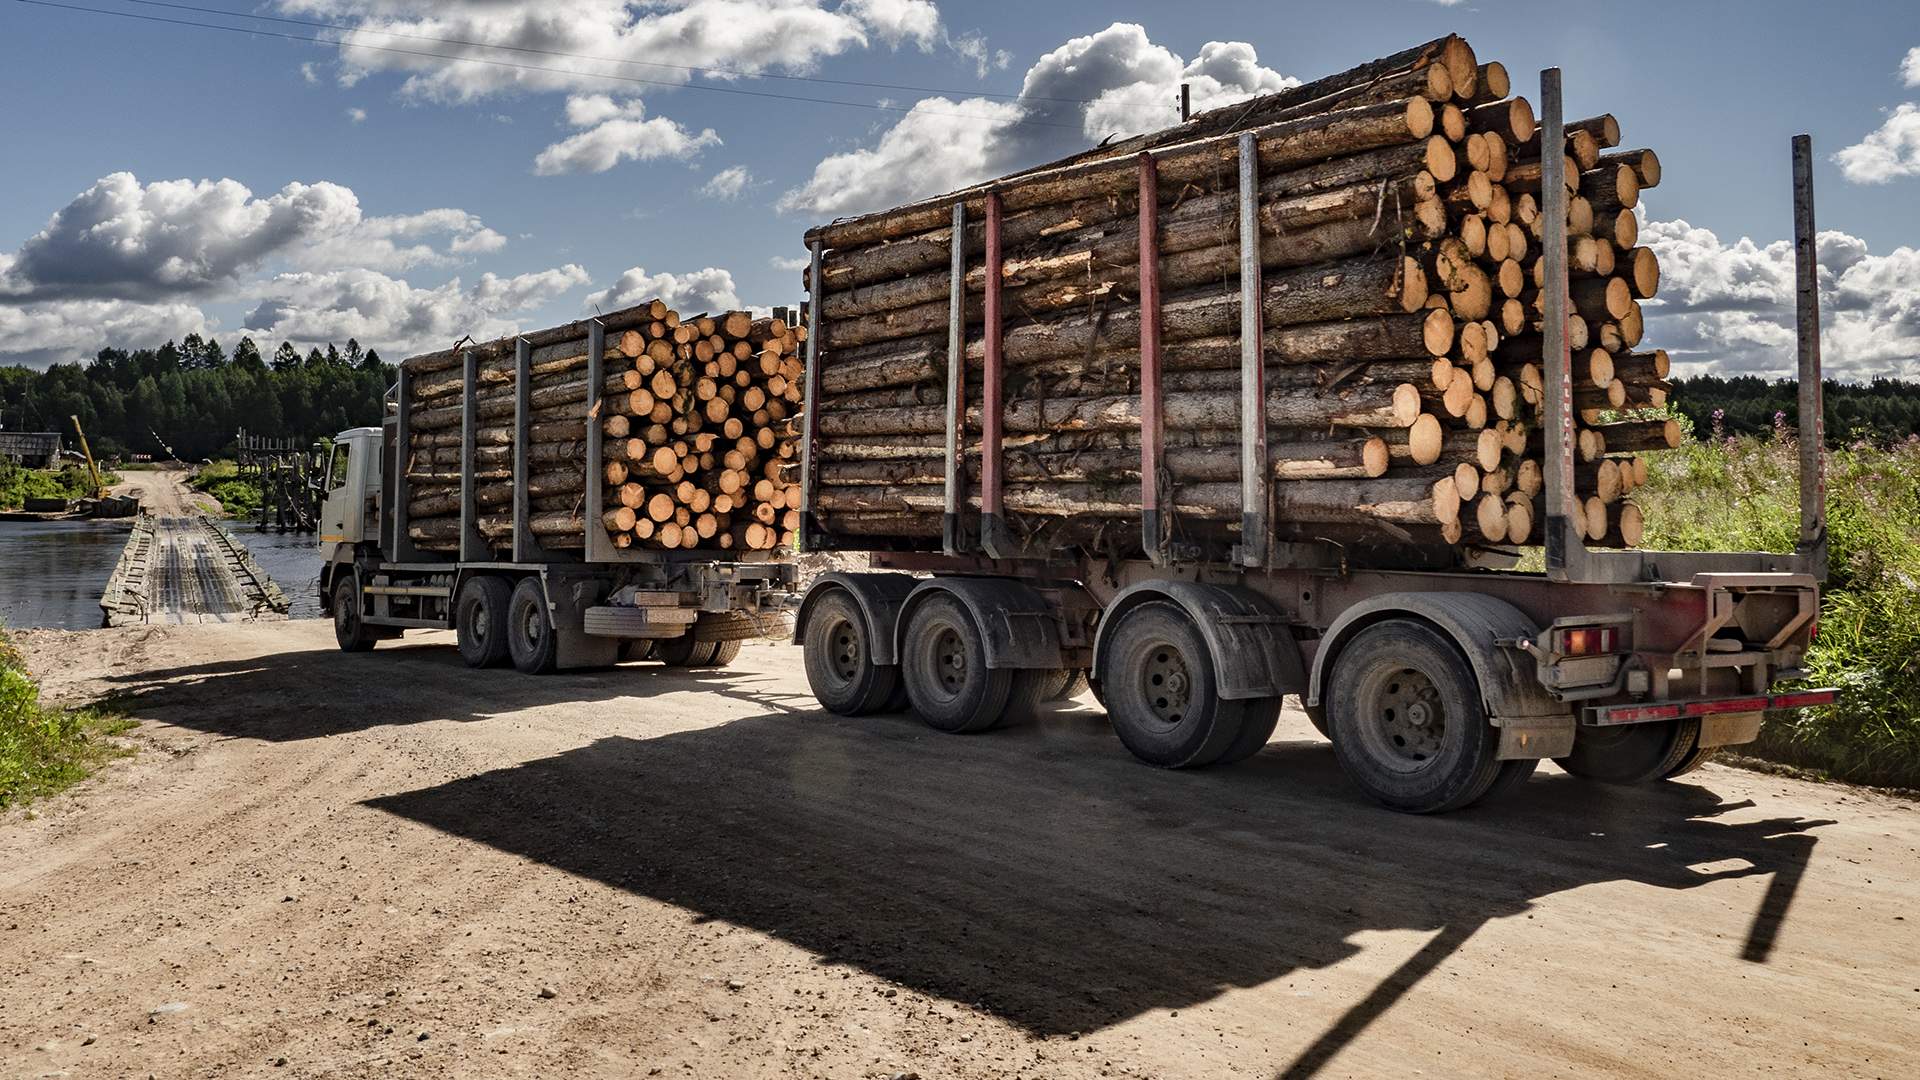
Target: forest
column 187, row 400
column 1881, row 411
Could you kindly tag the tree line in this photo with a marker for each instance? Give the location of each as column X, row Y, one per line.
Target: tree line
column 187, row 400
column 1881, row 411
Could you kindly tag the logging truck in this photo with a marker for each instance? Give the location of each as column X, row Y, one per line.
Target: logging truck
column 1274, row 403
column 573, row 497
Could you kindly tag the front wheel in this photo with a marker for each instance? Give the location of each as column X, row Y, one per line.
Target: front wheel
column 530, row 636
column 349, row 629
column 1407, row 721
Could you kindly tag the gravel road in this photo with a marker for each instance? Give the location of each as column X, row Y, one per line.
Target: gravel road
column 389, row 865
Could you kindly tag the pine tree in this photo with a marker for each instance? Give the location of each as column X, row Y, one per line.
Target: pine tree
column 246, row 356
column 286, row 357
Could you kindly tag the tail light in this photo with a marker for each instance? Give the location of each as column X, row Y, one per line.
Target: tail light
column 1588, row 641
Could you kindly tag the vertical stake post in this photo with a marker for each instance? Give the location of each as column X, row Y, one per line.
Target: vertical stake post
column 1186, row 102
column 1813, row 442
column 599, row 546
column 473, row 546
column 1153, row 534
column 526, row 548
column 1562, row 536
column 809, row 539
column 1255, row 524
column 951, row 539
column 994, row 538
column 400, row 492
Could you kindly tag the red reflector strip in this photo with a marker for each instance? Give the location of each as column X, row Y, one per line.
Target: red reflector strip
column 1803, row 698
column 1727, row 705
column 1633, row 714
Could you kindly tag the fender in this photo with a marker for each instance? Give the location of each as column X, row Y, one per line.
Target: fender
column 879, row 596
column 1019, row 626
column 1250, row 642
column 1509, row 686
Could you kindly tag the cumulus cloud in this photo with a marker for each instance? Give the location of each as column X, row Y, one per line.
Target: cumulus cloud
column 727, row 184
column 1115, row 82
column 1910, row 67
column 338, row 304
column 44, row 333
column 709, row 289
column 1728, row 309
column 782, row 262
column 897, row 21
column 616, row 132
column 1891, row 152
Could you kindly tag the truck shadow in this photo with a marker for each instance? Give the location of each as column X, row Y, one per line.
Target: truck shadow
column 1045, row 876
column 284, row 697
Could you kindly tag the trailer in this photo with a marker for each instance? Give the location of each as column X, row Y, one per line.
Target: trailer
column 1441, row 675
column 522, row 602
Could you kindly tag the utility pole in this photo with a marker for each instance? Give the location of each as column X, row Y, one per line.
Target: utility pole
column 1186, row 102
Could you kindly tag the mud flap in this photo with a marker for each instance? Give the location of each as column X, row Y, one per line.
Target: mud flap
column 1534, row 737
column 1729, row 729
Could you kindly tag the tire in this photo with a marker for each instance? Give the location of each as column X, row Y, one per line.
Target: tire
column 839, row 660
column 724, row 653
column 1027, row 697
column 1065, row 685
column 637, row 649
column 1159, row 683
column 1632, row 753
column 480, row 621
column 1699, row 756
column 1262, row 716
column 1407, row 721
column 1317, row 716
column 944, row 665
column 1513, row 774
column 683, row 651
column 353, row 634
column 530, row 636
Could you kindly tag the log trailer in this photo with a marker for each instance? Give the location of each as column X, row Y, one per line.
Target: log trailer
column 1440, row 673
column 537, row 605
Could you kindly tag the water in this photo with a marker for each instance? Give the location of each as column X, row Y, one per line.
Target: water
column 51, row 573
column 293, row 560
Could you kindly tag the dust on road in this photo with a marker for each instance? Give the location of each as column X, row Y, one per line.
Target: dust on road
column 387, row 864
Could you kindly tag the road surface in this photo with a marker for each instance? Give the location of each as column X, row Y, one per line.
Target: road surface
column 389, row 865
column 187, row 571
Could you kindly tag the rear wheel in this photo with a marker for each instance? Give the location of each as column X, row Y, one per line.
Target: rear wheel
column 349, row 629
column 637, row 649
column 1407, row 722
column 944, row 665
column 839, row 660
column 1262, row 716
column 1633, row 753
column 1697, row 757
column 480, row 620
column 530, row 637
column 684, row 651
column 1157, row 681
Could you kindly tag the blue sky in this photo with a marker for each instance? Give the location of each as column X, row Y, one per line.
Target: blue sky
column 376, row 141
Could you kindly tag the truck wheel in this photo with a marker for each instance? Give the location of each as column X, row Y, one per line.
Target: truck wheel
column 839, row 660
column 1317, row 716
column 945, row 668
column 353, row 634
column 480, row 620
column 1699, row 756
column 1262, row 716
column 1407, row 722
column 684, row 651
column 1159, row 687
column 1064, row 685
column 1632, row 753
column 724, row 653
column 530, row 636
column 637, row 649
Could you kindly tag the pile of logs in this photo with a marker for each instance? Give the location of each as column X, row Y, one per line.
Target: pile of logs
column 696, row 418
column 1399, row 216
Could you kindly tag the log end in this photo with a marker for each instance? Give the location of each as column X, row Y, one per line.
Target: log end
column 1374, row 456
column 1425, row 439
column 1632, row 525
column 1490, row 517
column 1521, row 121
column 1419, row 114
column 1494, row 81
column 1437, row 332
column 1462, row 64
column 1441, row 159
column 1413, row 284
column 1406, row 404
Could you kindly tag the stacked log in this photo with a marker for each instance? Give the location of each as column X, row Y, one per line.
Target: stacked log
column 1399, row 241
column 696, row 421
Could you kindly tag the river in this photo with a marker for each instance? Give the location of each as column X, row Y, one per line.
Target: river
column 51, row 573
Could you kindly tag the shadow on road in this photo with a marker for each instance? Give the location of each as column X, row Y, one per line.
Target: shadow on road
column 313, row 693
column 1043, row 874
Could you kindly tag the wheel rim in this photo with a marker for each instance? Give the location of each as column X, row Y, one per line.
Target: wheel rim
column 1402, row 722
column 844, row 654
column 345, row 618
column 477, row 623
column 531, row 628
column 1166, row 685
column 950, row 661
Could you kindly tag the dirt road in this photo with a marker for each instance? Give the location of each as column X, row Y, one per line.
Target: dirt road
column 164, row 493
column 386, row 864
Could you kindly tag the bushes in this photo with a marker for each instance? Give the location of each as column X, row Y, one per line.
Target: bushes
column 1742, row 493
column 17, row 485
column 221, row 479
column 43, row 750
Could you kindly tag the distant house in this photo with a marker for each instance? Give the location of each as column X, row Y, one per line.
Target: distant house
column 34, row 449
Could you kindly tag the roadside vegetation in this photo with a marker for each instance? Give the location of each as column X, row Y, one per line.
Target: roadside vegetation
column 18, row 484
column 1740, row 492
column 221, row 479
column 44, row 750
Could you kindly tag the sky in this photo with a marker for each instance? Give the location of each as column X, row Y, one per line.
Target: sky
column 426, row 171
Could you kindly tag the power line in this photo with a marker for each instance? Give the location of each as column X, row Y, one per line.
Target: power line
column 349, row 28
column 736, row 90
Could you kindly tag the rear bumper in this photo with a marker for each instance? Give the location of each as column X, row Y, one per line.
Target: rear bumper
column 1648, row 712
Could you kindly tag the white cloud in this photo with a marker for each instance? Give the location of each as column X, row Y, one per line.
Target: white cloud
column 727, row 184
column 797, row 262
column 395, row 316
column 357, row 115
column 1728, row 309
column 973, row 46
column 710, row 289
column 42, row 333
column 1891, row 152
column 617, row 132
column 1131, row 83
column 309, row 73
column 898, row 21
column 1910, row 67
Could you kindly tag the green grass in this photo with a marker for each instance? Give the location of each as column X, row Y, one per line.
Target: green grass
column 17, row 484
column 44, row 750
column 221, row 479
column 1742, row 494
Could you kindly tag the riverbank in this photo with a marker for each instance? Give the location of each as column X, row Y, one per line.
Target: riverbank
column 45, row 750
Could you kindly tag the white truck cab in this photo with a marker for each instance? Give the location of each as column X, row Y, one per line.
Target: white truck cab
column 350, row 514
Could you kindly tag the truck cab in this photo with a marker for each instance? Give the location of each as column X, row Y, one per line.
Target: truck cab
column 351, row 512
